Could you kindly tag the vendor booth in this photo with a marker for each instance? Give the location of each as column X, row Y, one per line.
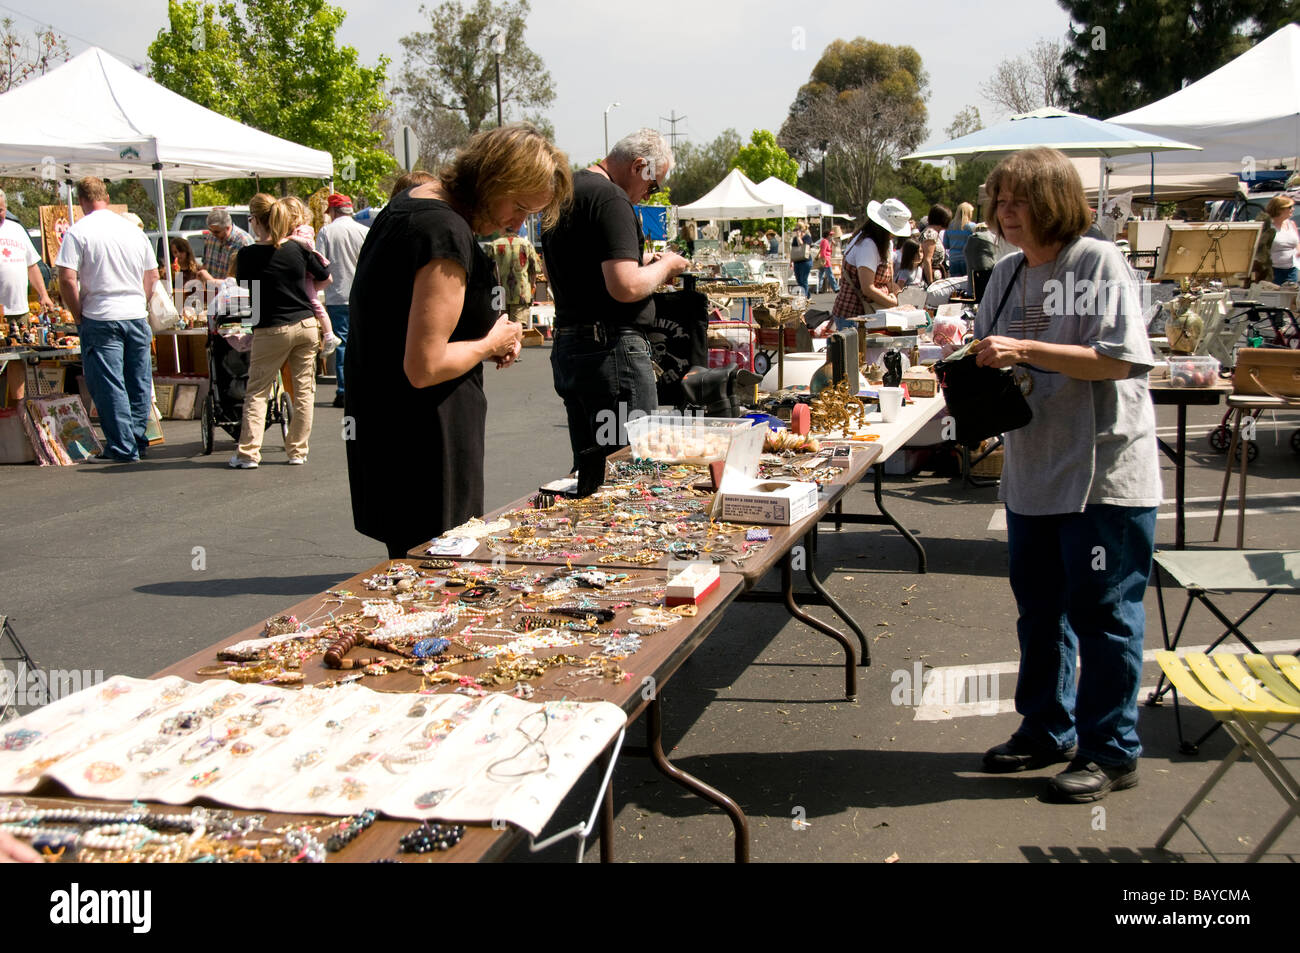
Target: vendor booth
column 96, row 116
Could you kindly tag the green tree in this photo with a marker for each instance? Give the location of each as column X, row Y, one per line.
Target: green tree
column 699, row 168
column 862, row 107
column 1123, row 54
column 966, row 121
column 763, row 158
column 276, row 65
column 447, row 85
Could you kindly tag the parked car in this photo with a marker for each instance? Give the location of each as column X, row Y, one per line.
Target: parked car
column 192, row 225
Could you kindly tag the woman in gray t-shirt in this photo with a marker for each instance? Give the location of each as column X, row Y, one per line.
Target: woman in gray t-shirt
column 1081, row 482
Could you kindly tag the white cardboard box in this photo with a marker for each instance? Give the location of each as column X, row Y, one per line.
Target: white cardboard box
column 772, row 502
column 692, row 584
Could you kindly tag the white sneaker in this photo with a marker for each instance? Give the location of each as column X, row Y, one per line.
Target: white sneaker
column 297, row 461
column 330, row 344
column 240, row 463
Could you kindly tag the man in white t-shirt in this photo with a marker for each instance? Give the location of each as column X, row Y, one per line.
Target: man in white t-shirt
column 107, row 271
column 340, row 241
column 18, row 265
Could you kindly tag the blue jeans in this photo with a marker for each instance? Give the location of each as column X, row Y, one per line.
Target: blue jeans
column 826, row 275
column 1078, row 579
column 115, row 357
column 339, row 318
column 801, row 271
column 601, row 380
column 1282, row 275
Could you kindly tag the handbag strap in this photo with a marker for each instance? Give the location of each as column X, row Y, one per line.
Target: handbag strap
column 1011, row 286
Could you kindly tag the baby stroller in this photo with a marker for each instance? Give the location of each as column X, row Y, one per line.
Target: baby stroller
column 228, row 361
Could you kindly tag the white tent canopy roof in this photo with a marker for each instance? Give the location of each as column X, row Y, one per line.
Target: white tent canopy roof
column 794, row 199
column 735, row 197
column 1249, row 107
column 1171, row 185
column 96, row 116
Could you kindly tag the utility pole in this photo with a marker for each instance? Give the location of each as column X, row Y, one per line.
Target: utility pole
column 673, row 120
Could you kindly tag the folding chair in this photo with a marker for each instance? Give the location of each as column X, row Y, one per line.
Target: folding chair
column 1242, row 702
column 1263, row 571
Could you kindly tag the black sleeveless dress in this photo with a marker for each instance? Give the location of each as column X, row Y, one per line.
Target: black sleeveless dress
column 415, row 455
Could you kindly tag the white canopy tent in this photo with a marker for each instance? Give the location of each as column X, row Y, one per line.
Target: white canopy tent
column 1171, row 185
column 1245, row 111
column 97, row 116
column 735, row 197
column 795, row 199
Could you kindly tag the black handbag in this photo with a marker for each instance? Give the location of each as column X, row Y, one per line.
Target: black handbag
column 984, row 401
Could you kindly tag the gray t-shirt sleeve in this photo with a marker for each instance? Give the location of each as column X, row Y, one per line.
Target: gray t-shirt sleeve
column 1108, row 306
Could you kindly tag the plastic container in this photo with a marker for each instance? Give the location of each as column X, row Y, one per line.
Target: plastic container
column 1197, row 371
column 692, row 440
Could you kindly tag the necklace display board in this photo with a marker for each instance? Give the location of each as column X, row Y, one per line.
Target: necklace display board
column 264, row 747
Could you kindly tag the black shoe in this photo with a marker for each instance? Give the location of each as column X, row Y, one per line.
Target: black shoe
column 1085, row 781
column 1018, row 754
column 338, row 400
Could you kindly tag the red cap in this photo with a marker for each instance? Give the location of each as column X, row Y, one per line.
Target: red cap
column 339, row 200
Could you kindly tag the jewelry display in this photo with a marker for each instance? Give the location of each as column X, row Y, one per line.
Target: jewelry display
column 428, row 837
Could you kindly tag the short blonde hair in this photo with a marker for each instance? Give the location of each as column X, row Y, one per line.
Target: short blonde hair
column 1058, row 210
column 92, row 189
column 514, row 159
column 1279, row 205
column 298, row 209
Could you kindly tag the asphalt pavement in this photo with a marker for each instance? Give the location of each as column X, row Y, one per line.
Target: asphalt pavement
column 113, row 568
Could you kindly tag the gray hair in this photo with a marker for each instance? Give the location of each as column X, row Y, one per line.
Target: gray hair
column 645, row 144
column 3, row 197
column 219, row 218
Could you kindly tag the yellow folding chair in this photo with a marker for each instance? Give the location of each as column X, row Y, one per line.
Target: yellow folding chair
column 1242, row 702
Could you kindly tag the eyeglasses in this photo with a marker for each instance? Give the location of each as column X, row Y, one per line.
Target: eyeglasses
column 652, row 189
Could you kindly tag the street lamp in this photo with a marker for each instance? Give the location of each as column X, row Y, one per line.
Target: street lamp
column 499, row 47
column 607, row 109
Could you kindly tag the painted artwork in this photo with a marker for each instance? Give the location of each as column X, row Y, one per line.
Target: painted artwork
column 60, row 431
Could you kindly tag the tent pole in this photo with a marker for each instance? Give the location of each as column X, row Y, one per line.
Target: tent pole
column 1153, row 184
column 166, row 268
column 68, row 183
column 1101, row 188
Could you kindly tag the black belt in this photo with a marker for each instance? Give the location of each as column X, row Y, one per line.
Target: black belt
column 598, row 332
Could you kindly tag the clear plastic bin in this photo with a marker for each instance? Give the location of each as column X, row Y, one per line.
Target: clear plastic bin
column 1197, row 371
column 692, row 440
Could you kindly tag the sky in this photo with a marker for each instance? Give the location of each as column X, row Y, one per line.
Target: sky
column 720, row 63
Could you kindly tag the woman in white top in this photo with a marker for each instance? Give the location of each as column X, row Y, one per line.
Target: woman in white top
column 1285, row 239
column 869, row 262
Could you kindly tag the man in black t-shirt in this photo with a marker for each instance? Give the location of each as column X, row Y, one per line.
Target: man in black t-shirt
column 602, row 280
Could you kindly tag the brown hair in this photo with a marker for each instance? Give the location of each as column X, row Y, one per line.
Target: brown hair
column 259, row 208
column 514, row 159
column 92, row 189
column 939, row 216
column 1279, row 205
column 1058, row 210
column 409, row 180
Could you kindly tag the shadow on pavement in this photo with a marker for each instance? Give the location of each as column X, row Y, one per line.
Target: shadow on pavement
column 297, row 586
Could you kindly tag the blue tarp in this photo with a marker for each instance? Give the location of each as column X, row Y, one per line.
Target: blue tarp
column 654, row 222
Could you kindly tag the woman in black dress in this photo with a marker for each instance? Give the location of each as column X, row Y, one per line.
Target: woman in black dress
column 423, row 321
